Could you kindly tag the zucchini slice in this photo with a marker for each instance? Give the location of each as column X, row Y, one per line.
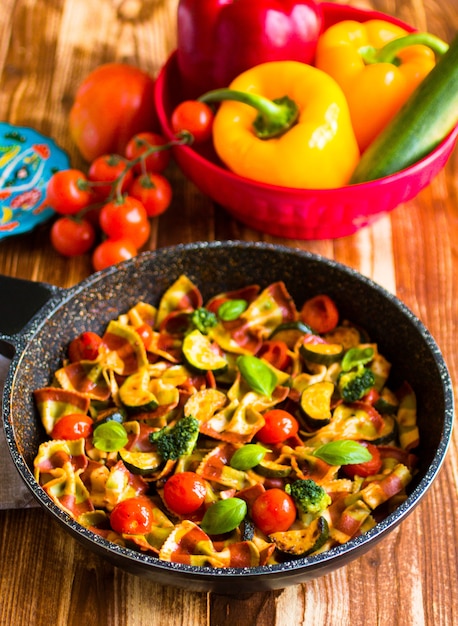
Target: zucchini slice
column 389, row 432
column 271, row 469
column 387, row 402
column 315, row 404
column 135, row 395
column 290, row 332
column 298, row 543
column 113, row 414
column 142, row 463
column 322, row 353
column 348, row 335
column 199, row 354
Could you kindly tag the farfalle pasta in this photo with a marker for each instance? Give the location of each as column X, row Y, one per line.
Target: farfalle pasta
column 168, row 438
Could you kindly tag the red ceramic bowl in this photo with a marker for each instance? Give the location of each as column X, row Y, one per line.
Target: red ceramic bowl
column 297, row 213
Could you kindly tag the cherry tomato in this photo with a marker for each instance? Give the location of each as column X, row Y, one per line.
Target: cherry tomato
column 72, row 426
column 133, row 516
column 113, row 170
column 72, row 237
column 153, row 191
column 276, row 353
column 146, row 334
column 68, row 192
column 365, row 469
column 195, row 117
column 279, row 426
column 273, row 511
column 371, row 396
column 113, row 103
column 112, row 251
column 127, row 219
column 157, row 161
column 184, row 492
column 320, row 313
column 85, row 347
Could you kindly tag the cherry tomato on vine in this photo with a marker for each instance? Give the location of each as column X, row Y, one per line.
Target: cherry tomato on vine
column 133, row 516
column 72, row 426
column 68, row 192
column 369, row 467
column 113, row 170
column 279, row 426
column 320, row 313
column 195, row 117
column 157, row 161
column 273, row 511
column 125, row 219
column 184, row 492
column 276, row 353
column 112, row 251
column 72, row 236
column 85, row 347
column 153, row 191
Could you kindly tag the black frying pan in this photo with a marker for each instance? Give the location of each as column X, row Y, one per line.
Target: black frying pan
column 37, row 321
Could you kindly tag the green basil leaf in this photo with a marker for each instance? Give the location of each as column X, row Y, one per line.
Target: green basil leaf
column 223, row 516
column 344, row 452
column 248, row 456
column 257, row 374
column 232, row 309
column 357, row 356
column 109, row 437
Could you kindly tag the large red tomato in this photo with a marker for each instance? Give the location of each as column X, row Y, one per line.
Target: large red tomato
column 113, row 103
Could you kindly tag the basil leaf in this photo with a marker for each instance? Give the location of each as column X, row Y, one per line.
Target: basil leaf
column 344, row 452
column 248, row 456
column 257, row 374
column 357, row 356
column 232, row 309
column 109, row 437
column 223, row 516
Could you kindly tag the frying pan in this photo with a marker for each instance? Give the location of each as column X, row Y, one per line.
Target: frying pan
column 37, row 321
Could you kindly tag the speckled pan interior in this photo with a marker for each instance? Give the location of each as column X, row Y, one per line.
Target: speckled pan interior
column 216, row 267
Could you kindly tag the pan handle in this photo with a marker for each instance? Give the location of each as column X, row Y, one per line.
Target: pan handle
column 20, row 300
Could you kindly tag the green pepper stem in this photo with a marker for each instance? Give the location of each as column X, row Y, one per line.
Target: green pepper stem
column 388, row 53
column 275, row 117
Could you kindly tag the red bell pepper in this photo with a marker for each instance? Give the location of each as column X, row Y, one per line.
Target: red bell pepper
column 219, row 39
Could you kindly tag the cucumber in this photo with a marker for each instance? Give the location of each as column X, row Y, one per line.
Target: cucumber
column 427, row 117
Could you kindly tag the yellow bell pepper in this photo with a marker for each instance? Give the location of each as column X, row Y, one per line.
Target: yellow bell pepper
column 285, row 123
column 378, row 65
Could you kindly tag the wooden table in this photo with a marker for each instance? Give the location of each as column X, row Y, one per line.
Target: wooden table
column 46, row 49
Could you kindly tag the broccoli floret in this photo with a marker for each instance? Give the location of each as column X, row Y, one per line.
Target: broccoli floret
column 353, row 385
column 177, row 440
column 203, row 319
column 310, row 498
